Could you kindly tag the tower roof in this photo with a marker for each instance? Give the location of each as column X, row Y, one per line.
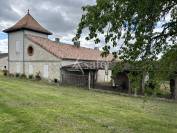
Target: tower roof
column 28, row 23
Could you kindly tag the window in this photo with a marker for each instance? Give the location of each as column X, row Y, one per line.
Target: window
column 46, row 73
column 17, row 47
column 17, row 68
column 30, row 50
column 30, row 69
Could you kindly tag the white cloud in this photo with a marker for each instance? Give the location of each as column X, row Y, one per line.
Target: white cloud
column 4, row 46
column 5, row 24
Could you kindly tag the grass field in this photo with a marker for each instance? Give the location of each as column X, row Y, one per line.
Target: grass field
column 37, row 107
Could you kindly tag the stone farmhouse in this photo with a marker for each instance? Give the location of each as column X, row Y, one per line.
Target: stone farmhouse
column 31, row 52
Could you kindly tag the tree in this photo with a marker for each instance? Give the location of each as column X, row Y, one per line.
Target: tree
column 168, row 63
column 133, row 21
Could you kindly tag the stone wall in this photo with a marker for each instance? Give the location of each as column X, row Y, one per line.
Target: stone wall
column 3, row 62
column 39, row 54
column 53, row 69
column 14, row 65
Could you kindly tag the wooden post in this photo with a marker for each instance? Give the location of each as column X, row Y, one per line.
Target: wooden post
column 93, row 79
column 61, row 76
column 89, row 80
column 129, row 87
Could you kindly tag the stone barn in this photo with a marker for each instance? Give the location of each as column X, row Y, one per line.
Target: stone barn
column 31, row 52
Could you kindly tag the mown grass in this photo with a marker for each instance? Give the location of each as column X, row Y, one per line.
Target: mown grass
column 37, row 107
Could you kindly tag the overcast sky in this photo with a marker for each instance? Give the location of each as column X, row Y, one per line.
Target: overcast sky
column 58, row 16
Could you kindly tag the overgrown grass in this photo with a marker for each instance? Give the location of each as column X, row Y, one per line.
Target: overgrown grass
column 37, row 107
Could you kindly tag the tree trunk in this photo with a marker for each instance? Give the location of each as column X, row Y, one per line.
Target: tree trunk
column 172, row 88
column 175, row 90
column 142, row 86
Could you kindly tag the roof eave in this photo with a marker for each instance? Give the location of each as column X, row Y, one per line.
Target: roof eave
column 108, row 60
column 9, row 30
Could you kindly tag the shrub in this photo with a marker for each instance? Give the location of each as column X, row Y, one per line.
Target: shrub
column 38, row 77
column 30, row 76
column 23, row 76
column 5, row 72
column 152, row 88
column 150, row 91
column 11, row 75
column 17, row 75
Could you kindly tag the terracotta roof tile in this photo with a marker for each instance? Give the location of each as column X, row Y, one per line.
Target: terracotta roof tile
column 29, row 23
column 66, row 51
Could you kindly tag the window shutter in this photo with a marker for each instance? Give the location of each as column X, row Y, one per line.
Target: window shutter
column 30, row 69
column 46, row 73
column 17, row 47
column 17, row 68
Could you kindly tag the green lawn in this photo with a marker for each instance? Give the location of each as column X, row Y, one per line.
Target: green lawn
column 36, row 107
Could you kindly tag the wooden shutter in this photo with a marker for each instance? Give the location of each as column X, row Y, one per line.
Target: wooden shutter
column 46, row 71
column 30, row 69
column 17, row 68
column 17, row 47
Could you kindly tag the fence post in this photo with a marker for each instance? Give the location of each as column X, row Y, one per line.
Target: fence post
column 89, row 80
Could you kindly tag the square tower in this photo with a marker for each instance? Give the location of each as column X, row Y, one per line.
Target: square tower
column 16, row 41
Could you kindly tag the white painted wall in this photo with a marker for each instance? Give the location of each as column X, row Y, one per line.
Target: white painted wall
column 15, row 57
column 13, row 38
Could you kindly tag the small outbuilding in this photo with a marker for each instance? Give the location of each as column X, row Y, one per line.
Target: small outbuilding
column 87, row 74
